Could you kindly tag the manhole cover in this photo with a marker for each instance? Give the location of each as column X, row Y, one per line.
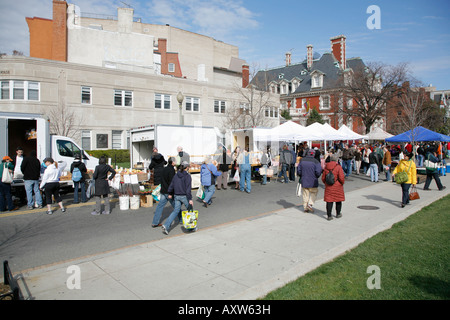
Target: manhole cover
column 368, row 207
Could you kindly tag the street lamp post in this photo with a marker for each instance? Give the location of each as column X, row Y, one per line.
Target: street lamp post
column 180, row 99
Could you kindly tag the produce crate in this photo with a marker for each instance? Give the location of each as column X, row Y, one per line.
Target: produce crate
column 146, row 200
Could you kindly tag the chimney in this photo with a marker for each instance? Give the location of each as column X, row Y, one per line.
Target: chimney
column 309, row 56
column 288, row 58
column 245, row 75
column 125, row 19
column 59, row 31
column 338, row 50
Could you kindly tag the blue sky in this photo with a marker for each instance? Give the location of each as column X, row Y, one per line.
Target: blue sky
column 412, row 31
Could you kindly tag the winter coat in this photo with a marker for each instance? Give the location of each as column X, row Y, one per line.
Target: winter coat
column 157, row 164
column 205, row 174
column 167, row 175
column 309, row 170
column 81, row 166
column 404, row 166
column 100, row 176
column 51, row 174
column 387, row 159
column 335, row 192
column 31, row 167
column 181, row 185
column 286, row 157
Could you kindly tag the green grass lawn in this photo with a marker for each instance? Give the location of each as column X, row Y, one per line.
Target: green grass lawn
column 413, row 259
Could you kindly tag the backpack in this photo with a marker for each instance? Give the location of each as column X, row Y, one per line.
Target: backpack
column 402, row 176
column 329, row 178
column 76, row 175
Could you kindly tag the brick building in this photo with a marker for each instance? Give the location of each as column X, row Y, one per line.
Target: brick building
column 315, row 83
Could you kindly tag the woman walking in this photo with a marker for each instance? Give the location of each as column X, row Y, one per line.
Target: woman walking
column 432, row 173
column 406, row 165
column 234, row 165
column 334, row 192
column 101, row 178
column 50, row 184
column 180, row 191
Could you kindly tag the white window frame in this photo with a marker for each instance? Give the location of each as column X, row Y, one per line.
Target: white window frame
column 317, row 81
column 84, row 91
column 220, row 106
column 192, row 102
column 123, row 94
column 321, row 102
column 13, row 87
column 165, row 99
column 171, row 67
column 116, row 138
column 271, row 112
column 86, row 134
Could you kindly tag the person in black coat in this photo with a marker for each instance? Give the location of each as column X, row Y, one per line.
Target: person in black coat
column 167, row 175
column 157, row 164
column 101, row 185
column 81, row 183
column 31, row 169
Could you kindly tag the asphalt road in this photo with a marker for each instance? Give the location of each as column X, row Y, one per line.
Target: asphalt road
column 31, row 238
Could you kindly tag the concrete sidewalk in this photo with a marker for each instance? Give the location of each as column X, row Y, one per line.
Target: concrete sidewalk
column 243, row 260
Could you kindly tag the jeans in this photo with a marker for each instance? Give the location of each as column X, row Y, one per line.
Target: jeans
column 30, row 187
column 420, row 159
column 388, row 173
column 245, row 172
column 430, row 176
column 347, row 166
column 176, row 213
column 264, row 179
column 284, row 170
column 82, row 185
column 374, row 172
column 405, row 192
column 209, row 192
column 5, row 192
column 159, row 209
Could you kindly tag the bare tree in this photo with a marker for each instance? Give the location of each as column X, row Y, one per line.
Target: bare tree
column 371, row 86
column 250, row 107
column 64, row 122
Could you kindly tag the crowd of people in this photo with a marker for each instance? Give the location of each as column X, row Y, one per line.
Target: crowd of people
column 225, row 168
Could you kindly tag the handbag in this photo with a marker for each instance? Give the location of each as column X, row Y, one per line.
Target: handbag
column 414, row 195
column 190, row 217
column 402, row 177
column 6, row 176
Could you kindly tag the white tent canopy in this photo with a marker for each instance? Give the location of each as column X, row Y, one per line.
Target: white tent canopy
column 289, row 131
column 350, row 134
column 378, row 134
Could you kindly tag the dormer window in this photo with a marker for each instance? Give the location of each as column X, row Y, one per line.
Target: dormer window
column 316, row 79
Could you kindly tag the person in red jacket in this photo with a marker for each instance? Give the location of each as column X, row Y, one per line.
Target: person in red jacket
column 334, row 192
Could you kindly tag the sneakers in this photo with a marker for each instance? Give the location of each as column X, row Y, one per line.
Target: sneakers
column 329, row 218
column 309, row 209
column 95, row 213
column 442, row 188
column 339, row 216
column 30, row 207
column 49, row 212
column 164, row 230
column 63, row 209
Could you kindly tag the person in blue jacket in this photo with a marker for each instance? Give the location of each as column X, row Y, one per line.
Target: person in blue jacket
column 208, row 174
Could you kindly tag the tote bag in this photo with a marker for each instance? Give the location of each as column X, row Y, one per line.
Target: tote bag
column 6, row 176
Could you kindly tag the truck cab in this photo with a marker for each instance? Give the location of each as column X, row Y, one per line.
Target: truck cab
column 64, row 149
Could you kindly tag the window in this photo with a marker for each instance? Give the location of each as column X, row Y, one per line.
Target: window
column 19, row 90
column 192, row 104
column 171, row 67
column 219, row 106
column 244, row 108
column 271, row 112
column 86, row 93
column 325, row 102
column 33, row 91
column 162, row 101
column 67, row 148
column 5, row 90
column 123, row 98
column 86, row 139
column 117, row 139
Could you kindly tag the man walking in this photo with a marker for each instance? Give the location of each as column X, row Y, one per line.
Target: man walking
column 285, row 160
column 347, row 156
column 309, row 170
column 31, row 169
column 167, row 175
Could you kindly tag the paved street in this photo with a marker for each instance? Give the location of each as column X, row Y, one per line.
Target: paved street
column 247, row 245
column 31, row 238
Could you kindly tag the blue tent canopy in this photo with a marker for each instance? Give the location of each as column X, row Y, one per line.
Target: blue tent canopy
column 419, row 134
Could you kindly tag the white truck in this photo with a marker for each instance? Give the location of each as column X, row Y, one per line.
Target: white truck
column 197, row 141
column 32, row 132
